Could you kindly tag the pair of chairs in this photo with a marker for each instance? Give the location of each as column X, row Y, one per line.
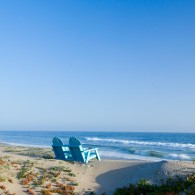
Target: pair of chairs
column 74, row 151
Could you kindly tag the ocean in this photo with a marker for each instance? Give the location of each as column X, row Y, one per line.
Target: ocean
column 114, row 145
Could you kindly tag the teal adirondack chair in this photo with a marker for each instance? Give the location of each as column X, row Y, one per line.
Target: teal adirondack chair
column 61, row 151
column 79, row 153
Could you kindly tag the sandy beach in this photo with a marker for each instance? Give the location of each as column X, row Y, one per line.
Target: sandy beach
column 28, row 171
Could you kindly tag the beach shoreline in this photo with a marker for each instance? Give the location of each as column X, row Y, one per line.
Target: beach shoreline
column 115, row 145
column 96, row 176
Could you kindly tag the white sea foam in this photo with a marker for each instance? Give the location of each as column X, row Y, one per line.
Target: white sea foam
column 168, row 144
column 142, row 155
column 179, row 156
column 26, row 145
column 118, row 155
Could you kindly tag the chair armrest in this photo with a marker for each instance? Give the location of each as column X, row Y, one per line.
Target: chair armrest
column 89, row 150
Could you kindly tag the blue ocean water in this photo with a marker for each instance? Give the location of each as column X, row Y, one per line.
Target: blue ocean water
column 114, row 145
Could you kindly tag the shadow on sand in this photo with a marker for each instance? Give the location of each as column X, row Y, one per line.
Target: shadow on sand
column 111, row 180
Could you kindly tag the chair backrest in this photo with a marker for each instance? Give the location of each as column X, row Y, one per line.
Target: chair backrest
column 58, row 148
column 76, row 149
column 57, row 141
column 73, row 141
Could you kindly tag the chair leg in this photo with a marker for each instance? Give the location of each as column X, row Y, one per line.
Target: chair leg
column 87, row 159
column 98, row 156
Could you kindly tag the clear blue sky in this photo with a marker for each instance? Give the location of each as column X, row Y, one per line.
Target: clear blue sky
column 97, row 65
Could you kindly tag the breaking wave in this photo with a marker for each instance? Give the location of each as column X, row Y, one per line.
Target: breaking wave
column 146, row 143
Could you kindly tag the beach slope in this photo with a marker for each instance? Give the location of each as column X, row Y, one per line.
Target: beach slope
column 27, row 169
